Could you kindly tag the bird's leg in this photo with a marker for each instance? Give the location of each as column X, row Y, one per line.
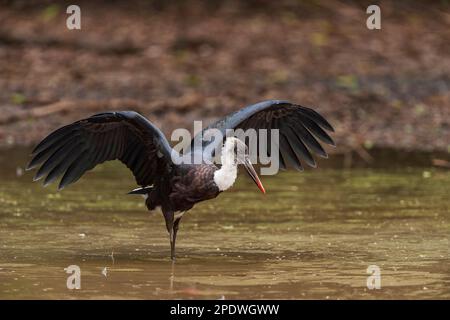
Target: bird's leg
column 172, row 244
column 169, row 217
column 172, row 223
column 174, row 237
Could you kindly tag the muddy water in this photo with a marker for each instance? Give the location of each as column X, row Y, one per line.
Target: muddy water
column 313, row 235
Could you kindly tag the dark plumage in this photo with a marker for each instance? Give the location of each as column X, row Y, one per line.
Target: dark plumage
column 299, row 128
column 127, row 136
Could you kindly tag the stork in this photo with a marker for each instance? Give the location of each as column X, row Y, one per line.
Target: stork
column 127, row 136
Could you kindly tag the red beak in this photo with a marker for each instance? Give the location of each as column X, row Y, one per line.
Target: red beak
column 252, row 173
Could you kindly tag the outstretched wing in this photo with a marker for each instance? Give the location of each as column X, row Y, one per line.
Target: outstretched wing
column 78, row 147
column 300, row 130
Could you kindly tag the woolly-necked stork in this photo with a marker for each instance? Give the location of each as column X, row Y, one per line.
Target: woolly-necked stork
column 129, row 137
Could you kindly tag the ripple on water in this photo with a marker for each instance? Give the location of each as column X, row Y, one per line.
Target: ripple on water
column 312, row 235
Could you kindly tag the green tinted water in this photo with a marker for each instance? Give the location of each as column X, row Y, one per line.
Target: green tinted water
column 313, row 235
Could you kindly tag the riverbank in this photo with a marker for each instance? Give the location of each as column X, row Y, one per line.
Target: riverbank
column 178, row 63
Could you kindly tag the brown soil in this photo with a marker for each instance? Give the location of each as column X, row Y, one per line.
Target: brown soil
column 192, row 60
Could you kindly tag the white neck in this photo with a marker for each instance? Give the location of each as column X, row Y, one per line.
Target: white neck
column 225, row 177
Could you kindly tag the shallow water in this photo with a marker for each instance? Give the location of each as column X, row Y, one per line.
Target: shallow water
column 313, row 235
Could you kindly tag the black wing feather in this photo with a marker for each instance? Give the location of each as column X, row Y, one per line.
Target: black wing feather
column 62, row 166
column 125, row 135
column 299, row 127
column 317, row 131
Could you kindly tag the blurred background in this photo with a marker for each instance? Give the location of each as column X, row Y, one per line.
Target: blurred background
column 180, row 61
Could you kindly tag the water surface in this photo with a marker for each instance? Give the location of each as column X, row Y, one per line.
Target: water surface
column 313, row 235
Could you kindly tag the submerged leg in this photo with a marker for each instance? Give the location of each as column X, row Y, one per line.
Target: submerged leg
column 168, row 216
column 174, row 237
column 172, row 223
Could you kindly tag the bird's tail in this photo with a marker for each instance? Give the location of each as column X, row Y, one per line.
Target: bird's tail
column 144, row 190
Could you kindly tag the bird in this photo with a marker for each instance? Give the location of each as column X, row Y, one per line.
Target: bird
column 175, row 188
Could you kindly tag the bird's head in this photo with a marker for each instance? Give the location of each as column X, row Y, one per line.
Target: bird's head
column 238, row 149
